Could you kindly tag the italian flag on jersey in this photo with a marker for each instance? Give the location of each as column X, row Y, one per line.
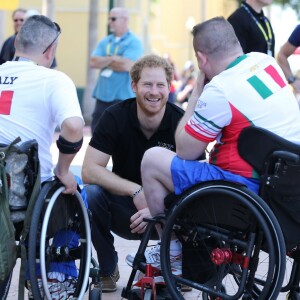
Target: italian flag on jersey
column 267, row 82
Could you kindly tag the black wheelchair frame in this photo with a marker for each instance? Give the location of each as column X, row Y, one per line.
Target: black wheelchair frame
column 235, row 243
column 47, row 211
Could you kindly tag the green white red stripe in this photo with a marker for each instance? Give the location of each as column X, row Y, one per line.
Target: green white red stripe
column 267, row 82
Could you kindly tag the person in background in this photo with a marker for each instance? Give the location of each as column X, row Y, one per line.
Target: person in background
column 186, row 84
column 114, row 56
column 287, row 49
column 8, row 48
column 33, row 104
column 124, row 132
column 233, row 91
column 172, row 94
column 253, row 28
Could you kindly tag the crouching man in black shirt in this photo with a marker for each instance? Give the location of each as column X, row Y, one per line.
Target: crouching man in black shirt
column 124, row 132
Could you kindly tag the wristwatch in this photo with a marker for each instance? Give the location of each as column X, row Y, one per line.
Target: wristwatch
column 291, row 79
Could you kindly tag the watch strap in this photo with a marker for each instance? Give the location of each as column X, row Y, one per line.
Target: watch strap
column 291, row 79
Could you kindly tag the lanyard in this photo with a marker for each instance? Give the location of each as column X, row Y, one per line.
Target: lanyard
column 268, row 37
column 108, row 49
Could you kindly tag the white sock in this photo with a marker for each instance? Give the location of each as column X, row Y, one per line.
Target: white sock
column 175, row 247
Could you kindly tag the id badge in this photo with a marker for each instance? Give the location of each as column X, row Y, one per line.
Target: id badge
column 106, row 73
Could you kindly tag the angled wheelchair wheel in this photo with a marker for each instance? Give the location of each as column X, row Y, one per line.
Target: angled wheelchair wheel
column 59, row 252
column 232, row 244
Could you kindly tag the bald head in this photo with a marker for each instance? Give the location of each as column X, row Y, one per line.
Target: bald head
column 121, row 11
column 216, row 38
column 118, row 20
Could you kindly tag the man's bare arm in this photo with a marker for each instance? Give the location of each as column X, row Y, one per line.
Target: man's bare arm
column 285, row 52
column 115, row 63
column 94, row 171
column 121, row 64
column 100, row 62
column 72, row 132
column 187, row 147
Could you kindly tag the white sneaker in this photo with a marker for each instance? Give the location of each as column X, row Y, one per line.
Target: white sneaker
column 58, row 290
column 70, row 286
column 152, row 255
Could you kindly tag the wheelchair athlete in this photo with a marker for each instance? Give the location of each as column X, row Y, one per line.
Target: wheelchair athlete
column 36, row 99
column 234, row 90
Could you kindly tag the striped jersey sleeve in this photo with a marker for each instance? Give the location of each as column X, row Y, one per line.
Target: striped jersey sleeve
column 210, row 116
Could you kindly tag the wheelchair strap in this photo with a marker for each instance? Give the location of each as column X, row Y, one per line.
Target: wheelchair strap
column 25, row 231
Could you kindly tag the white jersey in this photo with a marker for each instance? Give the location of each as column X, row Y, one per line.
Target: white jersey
column 252, row 91
column 34, row 100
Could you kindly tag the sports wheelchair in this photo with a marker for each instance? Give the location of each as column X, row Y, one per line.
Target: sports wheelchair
column 235, row 244
column 54, row 235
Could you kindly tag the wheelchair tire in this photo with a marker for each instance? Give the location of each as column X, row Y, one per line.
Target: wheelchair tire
column 234, row 238
column 59, row 235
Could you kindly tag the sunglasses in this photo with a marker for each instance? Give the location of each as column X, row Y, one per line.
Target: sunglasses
column 58, row 33
column 18, row 20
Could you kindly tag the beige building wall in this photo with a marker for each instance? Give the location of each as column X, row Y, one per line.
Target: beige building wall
column 162, row 25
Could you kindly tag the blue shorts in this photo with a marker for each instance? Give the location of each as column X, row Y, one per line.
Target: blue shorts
column 186, row 173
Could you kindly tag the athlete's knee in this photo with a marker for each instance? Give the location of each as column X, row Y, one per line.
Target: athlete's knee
column 151, row 159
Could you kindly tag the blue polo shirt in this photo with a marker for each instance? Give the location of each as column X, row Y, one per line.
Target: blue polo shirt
column 113, row 85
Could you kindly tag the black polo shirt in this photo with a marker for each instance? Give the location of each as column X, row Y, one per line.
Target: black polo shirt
column 248, row 33
column 118, row 134
column 8, row 50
